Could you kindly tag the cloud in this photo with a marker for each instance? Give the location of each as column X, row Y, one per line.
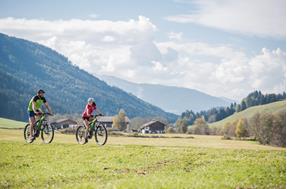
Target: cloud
column 225, row 71
column 129, row 50
column 257, row 17
column 175, row 35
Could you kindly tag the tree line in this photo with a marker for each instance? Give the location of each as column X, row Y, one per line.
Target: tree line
column 266, row 128
column 216, row 114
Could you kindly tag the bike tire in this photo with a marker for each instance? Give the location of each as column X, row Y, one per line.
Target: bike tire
column 51, row 131
column 26, row 136
column 101, row 129
column 80, row 135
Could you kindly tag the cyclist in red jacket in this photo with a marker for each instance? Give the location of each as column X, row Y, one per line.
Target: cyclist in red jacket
column 88, row 114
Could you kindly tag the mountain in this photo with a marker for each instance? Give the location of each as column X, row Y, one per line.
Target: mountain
column 169, row 98
column 26, row 67
column 248, row 113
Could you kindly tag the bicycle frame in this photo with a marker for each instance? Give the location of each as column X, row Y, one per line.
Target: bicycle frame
column 93, row 123
column 39, row 122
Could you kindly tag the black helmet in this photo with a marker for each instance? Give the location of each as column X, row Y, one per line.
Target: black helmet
column 41, row 91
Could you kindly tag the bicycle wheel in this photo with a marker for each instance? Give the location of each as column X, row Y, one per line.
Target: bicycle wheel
column 80, row 135
column 27, row 134
column 47, row 133
column 101, row 134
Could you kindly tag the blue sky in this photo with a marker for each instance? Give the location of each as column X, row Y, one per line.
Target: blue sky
column 222, row 38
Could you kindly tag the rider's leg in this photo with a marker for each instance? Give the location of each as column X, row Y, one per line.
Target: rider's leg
column 86, row 122
column 32, row 123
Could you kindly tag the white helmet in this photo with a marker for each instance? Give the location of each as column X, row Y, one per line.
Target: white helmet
column 91, row 100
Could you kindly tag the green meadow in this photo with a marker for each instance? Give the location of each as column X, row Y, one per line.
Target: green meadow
column 176, row 161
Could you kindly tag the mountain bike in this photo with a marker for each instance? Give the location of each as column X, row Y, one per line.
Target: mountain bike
column 96, row 128
column 41, row 127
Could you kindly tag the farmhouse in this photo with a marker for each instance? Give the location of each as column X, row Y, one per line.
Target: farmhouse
column 64, row 123
column 107, row 121
column 153, row 127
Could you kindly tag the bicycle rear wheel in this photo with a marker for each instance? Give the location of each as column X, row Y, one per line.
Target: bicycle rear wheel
column 47, row 133
column 27, row 134
column 101, row 134
column 81, row 135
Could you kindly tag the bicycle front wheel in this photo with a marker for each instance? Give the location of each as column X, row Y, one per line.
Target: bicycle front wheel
column 80, row 135
column 27, row 133
column 101, row 134
column 47, row 134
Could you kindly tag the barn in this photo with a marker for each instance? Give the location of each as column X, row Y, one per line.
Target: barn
column 64, row 123
column 153, row 127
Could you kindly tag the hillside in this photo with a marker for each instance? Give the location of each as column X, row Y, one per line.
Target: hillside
column 248, row 113
column 11, row 124
column 169, row 98
column 26, row 66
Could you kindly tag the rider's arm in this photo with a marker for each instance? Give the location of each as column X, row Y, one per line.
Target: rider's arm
column 48, row 107
column 98, row 111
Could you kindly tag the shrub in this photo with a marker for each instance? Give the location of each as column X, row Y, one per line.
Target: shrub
column 229, row 129
column 200, row 127
column 170, row 130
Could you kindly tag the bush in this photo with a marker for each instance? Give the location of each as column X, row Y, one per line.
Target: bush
column 170, row 130
column 229, row 129
column 200, row 127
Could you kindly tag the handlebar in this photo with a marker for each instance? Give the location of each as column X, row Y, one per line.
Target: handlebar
column 45, row 113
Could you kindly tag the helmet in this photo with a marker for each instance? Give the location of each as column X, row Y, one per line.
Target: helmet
column 91, row 100
column 41, row 91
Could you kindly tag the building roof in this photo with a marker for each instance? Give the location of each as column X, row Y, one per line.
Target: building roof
column 65, row 120
column 110, row 119
column 150, row 123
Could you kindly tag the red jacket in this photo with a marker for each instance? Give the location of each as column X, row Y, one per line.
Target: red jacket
column 89, row 110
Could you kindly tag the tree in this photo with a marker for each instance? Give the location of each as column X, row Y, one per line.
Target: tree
column 229, row 130
column 238, row 108
column 243, row 105
column 241, row 130
column 181, row 125
column 200, row 127
column 265, row 131
column 279, row 129
column 116, row 123
column 122, row 119
column 119, row 121
column 255, row 125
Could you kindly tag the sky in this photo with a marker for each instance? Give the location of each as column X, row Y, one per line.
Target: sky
column 226, row 48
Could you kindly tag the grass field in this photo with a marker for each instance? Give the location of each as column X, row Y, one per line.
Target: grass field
column 248, row 113
column 128, row 162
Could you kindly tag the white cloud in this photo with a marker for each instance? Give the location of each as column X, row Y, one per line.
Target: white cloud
column 256, row 17
column 175, row 35
column 127, row 49
column 225, row 71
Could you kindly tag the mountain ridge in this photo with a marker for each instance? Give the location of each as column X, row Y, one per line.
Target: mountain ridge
column 27, row 66
column 162, row 95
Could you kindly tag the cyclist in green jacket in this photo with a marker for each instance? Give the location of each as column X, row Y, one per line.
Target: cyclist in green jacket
column 34, row 109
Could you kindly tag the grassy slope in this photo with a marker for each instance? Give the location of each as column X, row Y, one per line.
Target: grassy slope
column 126, row 162
column 248, row 113
column 8, row 123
